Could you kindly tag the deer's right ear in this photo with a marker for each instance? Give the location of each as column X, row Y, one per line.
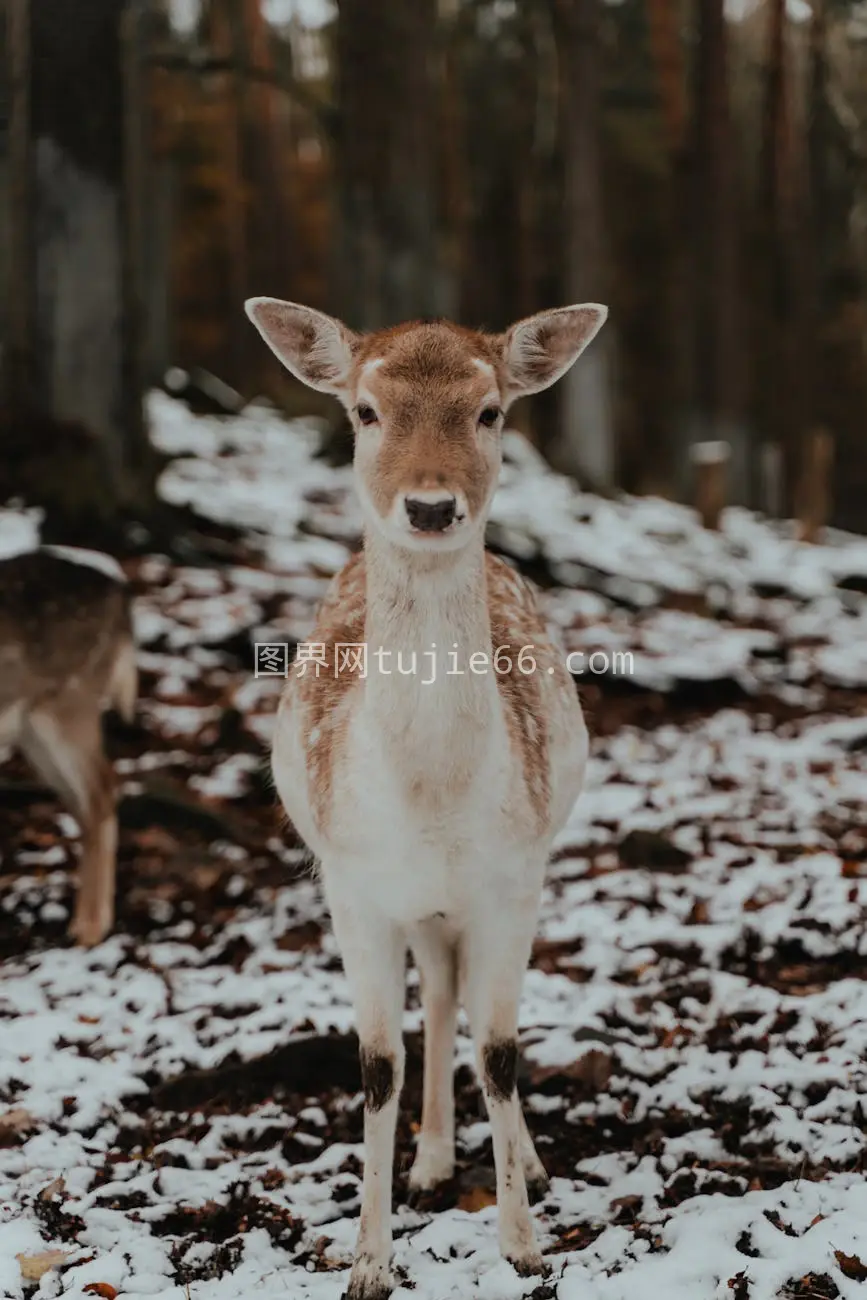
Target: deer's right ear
column 316, row 348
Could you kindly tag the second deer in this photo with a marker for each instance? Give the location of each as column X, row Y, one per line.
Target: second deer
column 429, row 796
column 66, row 652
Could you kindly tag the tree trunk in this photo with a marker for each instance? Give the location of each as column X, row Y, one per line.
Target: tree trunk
column 19, row 377
column 666, row 469
column 230, row 40
column 387, row 265
column 454, row 171
column 136, row 478
column 819, row 150
column 74, row 188
column 788, row 255
column 663, row 21
column 717, row 397
column 585, row 445
column 159, row 232
column 156, row 204
column 269, row 215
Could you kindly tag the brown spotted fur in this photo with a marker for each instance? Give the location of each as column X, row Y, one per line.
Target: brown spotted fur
column 325, row 696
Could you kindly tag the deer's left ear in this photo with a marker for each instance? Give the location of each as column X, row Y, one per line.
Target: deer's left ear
column 538, row 350
column 316, row 348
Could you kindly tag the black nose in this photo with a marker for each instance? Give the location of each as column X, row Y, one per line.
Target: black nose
column 430, row 516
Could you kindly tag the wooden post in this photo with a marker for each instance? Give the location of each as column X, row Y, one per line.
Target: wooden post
column 814, row 488
column 710, row 461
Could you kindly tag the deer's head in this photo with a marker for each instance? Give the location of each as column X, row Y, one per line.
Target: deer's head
column 427, row 403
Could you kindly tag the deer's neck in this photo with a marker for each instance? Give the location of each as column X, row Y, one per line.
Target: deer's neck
column 426, row 616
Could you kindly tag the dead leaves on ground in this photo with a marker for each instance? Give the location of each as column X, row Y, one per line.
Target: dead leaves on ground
column 813, row 1285
column 33, row 1267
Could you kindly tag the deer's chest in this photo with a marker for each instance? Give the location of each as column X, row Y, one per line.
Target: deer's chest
column 422, row 846
column 434, row 774
column 422, row 813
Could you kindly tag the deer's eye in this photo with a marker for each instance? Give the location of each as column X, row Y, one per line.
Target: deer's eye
column 489, row 416
column 365, row 413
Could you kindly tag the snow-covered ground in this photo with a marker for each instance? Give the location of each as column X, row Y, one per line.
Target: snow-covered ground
column 180, row 1112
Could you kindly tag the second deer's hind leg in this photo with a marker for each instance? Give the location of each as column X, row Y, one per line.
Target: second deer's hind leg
column 63, row 741
column 436, row 956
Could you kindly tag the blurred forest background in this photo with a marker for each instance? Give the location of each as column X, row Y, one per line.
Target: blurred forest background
column 698, row 165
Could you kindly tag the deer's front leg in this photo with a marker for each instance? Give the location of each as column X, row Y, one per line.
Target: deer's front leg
column 497, row 949
column 374, row 952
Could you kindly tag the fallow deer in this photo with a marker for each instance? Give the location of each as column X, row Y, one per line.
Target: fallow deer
column 431, row 805
column 66, row 651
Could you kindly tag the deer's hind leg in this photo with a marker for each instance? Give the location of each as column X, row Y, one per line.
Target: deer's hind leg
column 436, row 956
column 535, row 1172
column 62, row 738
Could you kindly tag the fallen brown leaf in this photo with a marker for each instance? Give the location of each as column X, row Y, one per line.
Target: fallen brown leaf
column 15, row 1123
column 33, row 1267
column 851, row 1266
column 677, row 1035
column 55, row 1188
column 104, row 1289
column 476, row 1198
column 627, row 1207
column 205, row 876
column 308, row 935
column 273, row 1178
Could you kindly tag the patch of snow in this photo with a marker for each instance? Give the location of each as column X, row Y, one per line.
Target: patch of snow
column 19, row 530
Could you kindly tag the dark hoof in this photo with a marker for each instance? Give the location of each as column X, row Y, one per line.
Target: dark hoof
column 532, row 1266
column 538, row 1189
column 430, row 1200
column 367, row 1282
column 419, row 1198
column 366, row 1291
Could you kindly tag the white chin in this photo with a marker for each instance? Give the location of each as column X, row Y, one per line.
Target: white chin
column 451, row 539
